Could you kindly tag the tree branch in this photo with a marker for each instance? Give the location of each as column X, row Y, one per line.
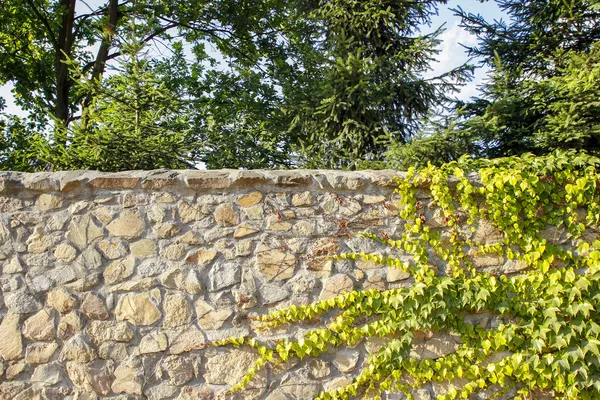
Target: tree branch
column 44, row 20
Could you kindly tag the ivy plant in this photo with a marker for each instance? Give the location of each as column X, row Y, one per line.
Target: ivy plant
column 549, row 335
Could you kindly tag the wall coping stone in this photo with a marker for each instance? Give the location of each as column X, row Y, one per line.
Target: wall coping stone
column 207, row 180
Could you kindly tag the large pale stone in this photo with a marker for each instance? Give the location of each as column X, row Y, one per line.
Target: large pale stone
column 84, row 230
column 38, row 242
column 113, row 351
column 185, row 340
column 167, row 230
column 186, row 281
column 174, row 252
column 103, row 331
column 303, row 199
column 40, row 353
column 273, row 293
column 78, row 349
column 202, row 257
column 189, row 213
column 229, row 368
column 225, row 215
column 69, row 325
column 275, row 223
column 319, row 369
column 13, row 266
column 224, row 275
column 396, row 274
column 191, row 237
column 65, row 252
column 345, row 360
column 179, row 369
column 138, row 309
column 11, row 342
column 130, row 225
column 487, row 233
column 177, row 311
column 48, row 374
column 297, row 387
column 208, row 317
column 143, row 248
column 119, row 270
column 95, row 377
column 93, row 307
column 244, row 230
column 439, row 345
column 128, row 380
column 249, row 199
column 335, row 286
column 40, row 326
column 275, row 263
column 153, row 342
column 22, row 302
column 112, row 248
column 254, row 213
column 61, row 300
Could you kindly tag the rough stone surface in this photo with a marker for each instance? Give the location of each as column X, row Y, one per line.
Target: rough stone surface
column 137, row 308
column 130, row 225
column 11, row 344
column 336, row 285
column 275, row 264
column 113, row 284
column 177, row 311
column 40, row 326
column 228, row 368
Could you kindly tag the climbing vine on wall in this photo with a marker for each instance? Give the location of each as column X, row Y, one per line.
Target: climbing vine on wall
column 549, row 335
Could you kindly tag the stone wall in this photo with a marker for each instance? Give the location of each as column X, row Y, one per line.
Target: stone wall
column 112, row 284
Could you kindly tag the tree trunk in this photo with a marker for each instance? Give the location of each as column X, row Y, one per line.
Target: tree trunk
column 63, row 81
column 101, row 57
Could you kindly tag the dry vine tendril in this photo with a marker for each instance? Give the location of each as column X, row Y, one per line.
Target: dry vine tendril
column 550, row 335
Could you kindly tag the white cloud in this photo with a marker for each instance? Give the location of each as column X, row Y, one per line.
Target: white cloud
column 452, row 55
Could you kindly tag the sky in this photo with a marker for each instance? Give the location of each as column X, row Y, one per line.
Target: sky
column 452, row 54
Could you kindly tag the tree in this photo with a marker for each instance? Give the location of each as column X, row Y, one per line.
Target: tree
column 131, row 122
column 305, row 82
column 544, row 67
column 372, row 91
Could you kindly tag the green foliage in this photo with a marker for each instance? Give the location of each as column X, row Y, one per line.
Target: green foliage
column 372, row 91
column 132, row 122
column 549, row 333
column 543, row 88
column 17, row 145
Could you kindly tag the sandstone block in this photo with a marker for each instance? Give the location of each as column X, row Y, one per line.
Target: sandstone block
column 153, row 343
column 335, row 286
column 93, row 307
column 119, row 270
column 177, row 311
column 61, row 300
column 130, row 225
column 275, row 263
column 65, row 252
column 202, row 257
column 128, row 380
column 40, row 353
column 143, row 248
column 83, row 230
column 11, row 344
column 103, row 331
column 229, row 368
column 249, row 199
column 40, row 326
column 225, row 215
column 95, row 377
column 138, row 309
